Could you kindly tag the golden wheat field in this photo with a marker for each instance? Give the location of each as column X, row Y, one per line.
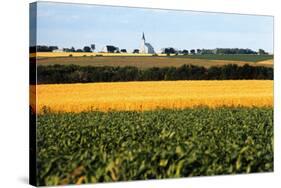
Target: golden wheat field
column 152, row 95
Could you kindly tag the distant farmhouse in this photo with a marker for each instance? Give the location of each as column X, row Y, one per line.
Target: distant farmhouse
column 145, row 47
column 58, row 50
column 110, row 49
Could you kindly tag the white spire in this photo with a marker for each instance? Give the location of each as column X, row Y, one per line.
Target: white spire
column 145, row 48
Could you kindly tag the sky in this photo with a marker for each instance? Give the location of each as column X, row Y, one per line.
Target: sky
column 79, row 25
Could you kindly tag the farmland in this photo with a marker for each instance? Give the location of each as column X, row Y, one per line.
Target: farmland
column 153, row 95
column 89, row 147
column 126, row 94
column 158, row 61
column 105, row 119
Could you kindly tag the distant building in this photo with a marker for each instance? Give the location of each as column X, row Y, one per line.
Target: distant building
column 146, row 48
column 58, row 50
column 110, row 49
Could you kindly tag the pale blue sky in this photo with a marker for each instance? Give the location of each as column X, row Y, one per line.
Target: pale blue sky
column 77, row 25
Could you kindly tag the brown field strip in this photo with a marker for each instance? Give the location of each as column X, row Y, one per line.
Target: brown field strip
column 141, row 62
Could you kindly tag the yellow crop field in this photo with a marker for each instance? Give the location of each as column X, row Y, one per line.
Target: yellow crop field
column 152, row 95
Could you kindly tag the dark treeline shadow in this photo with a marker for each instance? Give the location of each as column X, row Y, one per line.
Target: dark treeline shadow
column 82, row 74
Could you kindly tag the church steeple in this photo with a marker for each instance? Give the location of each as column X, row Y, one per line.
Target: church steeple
column 145, row 48
column 143, row 38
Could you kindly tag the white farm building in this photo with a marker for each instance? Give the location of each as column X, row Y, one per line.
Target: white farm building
column 110, row 49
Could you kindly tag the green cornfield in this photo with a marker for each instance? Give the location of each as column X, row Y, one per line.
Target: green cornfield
column 89, row 147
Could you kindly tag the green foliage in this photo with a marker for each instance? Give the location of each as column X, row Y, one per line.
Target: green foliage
column 94, row 146
column 81, row 74
column 230, row 57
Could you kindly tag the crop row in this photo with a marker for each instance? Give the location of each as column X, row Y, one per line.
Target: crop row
column 88, row 147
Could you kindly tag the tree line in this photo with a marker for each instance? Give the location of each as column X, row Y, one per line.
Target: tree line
column 168, row 51
column 82, row 74
column 221, row 51
column 44, row 48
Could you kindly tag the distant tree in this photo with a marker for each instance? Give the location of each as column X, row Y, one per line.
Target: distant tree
column 72, row 49
column 123, row 50
column 207, row 51
column 87, row 49
column 166, row 51
column 93, row 47
column 169, row 51
column 66, row 49
column 136, row 51
column 42, row 49
column 192, row 51
column 79, row 50
column 234, row 51
column 185, row 52
column 53, row 48
column 262, row 52
column 112, row 49
column 199, row 51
